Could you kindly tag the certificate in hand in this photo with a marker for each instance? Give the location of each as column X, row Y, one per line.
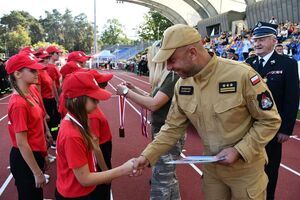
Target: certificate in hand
column 196, row 159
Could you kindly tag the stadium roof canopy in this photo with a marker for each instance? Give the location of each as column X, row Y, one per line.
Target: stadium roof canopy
column 191, row 11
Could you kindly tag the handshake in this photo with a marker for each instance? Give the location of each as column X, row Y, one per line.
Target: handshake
column 134, row 166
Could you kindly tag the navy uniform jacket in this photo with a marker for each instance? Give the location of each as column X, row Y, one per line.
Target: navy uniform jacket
column 281, row 75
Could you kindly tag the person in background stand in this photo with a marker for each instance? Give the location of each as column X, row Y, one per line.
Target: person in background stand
column 26, row 128
column 76, row 169
column 142, row 66
column 4, row 83
column 164, row 182
column 279, row 49
column 281, row 75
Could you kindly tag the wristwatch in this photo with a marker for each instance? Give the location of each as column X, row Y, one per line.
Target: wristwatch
column 125, row 91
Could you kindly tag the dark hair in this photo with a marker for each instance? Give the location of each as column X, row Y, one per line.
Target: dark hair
column 279, row 45
column 13, row 82
column 76, row 107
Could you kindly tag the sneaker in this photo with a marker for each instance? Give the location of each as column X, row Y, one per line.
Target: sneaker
column 53, row 146
column 51, row 156
column 47, row 176
column 47, row 181
column 51, row 160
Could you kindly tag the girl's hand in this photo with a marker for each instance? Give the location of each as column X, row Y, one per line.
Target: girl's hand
column 40, row 180
column 128, row 166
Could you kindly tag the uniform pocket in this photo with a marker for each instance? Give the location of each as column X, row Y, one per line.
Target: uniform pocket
column 230, row 112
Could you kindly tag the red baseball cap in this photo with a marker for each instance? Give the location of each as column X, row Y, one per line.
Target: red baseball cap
column 78, row 56
column 20, row 61
column 42, row 53
column 69, row 68
column 27, row 49
column 83, row 84
column 100, row 77
column 53, row 49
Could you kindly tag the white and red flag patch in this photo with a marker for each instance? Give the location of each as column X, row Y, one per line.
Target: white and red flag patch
column 254, row 80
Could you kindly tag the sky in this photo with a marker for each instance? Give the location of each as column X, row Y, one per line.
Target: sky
column 130, row 15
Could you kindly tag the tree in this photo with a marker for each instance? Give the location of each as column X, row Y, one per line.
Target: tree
column 112, row 33
column 154, row 26
column 17, row 39
column 25, row 20
column 83, row 34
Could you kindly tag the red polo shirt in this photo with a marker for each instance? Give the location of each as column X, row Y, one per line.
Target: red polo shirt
column 72, row 153
column 26, row 118
column 99, row 126
column 46, row 84
column 54, row 73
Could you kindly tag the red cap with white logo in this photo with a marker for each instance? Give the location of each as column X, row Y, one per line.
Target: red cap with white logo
column 20, row 61
column 83, row 84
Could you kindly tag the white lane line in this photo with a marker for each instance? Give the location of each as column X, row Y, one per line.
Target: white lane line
column 289, row 169
column 136, row 79
column 3, row 118
column 5, row 97
column 192, row 165
column 3, row 187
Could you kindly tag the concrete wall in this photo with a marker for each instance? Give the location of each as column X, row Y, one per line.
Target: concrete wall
column 225, row 20
column 282, row 10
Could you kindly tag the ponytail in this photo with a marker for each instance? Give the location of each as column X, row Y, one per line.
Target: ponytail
column 76, row 107
column 14, row 84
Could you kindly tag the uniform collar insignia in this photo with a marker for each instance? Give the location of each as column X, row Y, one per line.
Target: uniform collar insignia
column 272, row 62
column 259, row 24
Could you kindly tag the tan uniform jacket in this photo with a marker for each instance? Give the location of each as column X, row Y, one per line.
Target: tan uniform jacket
column 228, row 104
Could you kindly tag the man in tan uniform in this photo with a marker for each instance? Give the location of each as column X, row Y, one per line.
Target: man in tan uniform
column 231, row 108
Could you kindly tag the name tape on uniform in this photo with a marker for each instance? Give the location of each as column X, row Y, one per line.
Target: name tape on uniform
column 227, row 87
column 186, row 90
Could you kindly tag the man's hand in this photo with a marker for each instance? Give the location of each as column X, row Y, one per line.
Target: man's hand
column 120, row 89
column 281, row 138
column 229, row 156
column 138, row 165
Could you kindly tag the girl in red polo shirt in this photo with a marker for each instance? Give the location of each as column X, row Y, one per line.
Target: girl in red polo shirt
column 26, row 128
column 76, row 168
column 100, row 128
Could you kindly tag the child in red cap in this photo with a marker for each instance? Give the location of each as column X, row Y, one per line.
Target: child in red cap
column 26, row 128
column 76, row 169
column 100, row 128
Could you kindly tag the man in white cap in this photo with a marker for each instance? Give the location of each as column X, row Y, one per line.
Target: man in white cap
column 231, row 108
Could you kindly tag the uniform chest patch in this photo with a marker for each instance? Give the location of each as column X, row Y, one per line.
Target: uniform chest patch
column 227, row 87
column 265, row 101
column 186, row 90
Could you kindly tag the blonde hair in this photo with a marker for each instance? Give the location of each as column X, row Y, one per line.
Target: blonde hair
column 157, row 71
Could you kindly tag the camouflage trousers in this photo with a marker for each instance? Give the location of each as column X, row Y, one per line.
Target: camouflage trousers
column 164, row 183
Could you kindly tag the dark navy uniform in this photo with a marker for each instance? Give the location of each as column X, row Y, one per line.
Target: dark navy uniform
column 281, row 75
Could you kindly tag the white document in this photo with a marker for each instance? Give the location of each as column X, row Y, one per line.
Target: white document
column 196, row 159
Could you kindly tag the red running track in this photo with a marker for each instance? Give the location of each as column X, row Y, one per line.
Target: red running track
column 137, row 188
